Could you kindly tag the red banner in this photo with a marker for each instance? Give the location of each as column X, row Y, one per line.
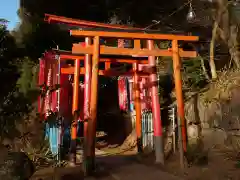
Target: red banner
column 123, row 93
column 41, row 80
column 65, row 101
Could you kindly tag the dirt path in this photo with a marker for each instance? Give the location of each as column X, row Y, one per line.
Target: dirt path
column 124, row 170
column 221, row 165
column 127, row 166
column 110, row 167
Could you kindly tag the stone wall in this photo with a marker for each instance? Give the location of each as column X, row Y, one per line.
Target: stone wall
column 218, row 121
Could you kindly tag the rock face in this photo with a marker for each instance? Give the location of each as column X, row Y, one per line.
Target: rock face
column 211, row 123
column 218, row 121
column 15, row 166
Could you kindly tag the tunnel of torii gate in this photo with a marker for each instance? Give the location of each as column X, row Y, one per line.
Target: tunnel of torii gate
column 142, row 52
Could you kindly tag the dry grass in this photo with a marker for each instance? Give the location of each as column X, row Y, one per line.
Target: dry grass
column 40, row 155
column 220, row 90
column 220, row 93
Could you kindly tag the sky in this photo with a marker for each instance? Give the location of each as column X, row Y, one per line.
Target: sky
column 8, row 11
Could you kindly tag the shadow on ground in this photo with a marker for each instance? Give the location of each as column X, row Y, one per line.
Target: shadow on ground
column 111, row 168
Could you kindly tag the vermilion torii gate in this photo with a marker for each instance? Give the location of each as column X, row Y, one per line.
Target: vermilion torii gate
column 93, row 53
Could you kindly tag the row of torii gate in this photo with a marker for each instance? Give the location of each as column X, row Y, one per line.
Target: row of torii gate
column 143, row 52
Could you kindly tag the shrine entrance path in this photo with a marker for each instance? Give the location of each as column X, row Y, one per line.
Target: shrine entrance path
column 127, row 168
column 110, row 168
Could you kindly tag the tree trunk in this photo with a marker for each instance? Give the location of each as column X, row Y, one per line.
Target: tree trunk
column 205, row 73
column 212, row 44
column 233, row 45
column 228, row 30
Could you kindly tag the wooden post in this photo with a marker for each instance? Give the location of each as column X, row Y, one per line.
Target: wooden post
column 179, row 96
column 87, row 84
column 137, row 108
column 91, row 133
column 157, row 123
column 107, row 65
column 137, row 43
column 87, row 94
column 74, row 112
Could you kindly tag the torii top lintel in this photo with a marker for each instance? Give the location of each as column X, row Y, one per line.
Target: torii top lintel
column 82, row 23
column 109, row 32
column 126, row 31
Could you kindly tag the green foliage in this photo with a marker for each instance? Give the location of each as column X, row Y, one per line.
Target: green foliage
column 13, row 105
column 8, row 70
column 13, row 110
column 192, row 74
column 28, row 76
column 234, row 9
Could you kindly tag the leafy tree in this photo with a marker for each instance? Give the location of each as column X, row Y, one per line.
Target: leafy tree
column 8, row 72
column 28, row 76
column 8, row 77
column 227, row 18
